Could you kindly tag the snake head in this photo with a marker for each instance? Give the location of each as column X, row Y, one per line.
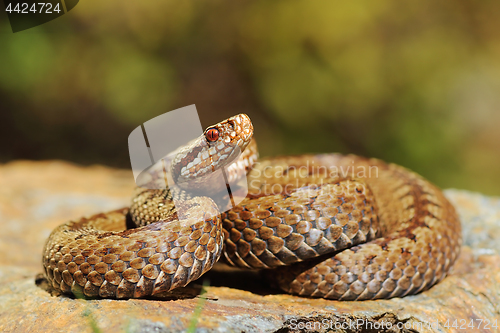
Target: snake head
column 232, row 132
column 195, row 164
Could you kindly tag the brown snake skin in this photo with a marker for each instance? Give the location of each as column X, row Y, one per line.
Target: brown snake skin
column 333, row 226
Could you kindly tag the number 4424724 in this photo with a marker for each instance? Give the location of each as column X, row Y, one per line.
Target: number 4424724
column 40, row 8
column 463, row 324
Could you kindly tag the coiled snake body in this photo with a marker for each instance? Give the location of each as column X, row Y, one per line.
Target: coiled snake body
column 333, row 226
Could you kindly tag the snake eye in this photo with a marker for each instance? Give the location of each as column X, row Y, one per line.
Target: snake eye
column 212, row 134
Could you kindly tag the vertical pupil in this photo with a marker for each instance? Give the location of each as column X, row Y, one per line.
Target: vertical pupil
column 212, row 134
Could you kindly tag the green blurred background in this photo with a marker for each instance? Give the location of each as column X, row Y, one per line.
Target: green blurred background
column 415, row 83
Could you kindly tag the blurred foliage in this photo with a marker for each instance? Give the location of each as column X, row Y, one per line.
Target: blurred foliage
column 412, row 83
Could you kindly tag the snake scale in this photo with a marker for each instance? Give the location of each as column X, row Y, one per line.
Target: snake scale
column 334, row 226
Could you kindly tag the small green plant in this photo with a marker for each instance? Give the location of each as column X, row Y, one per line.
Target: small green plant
column 198, row 309
column 87, row 312
column 92, row 322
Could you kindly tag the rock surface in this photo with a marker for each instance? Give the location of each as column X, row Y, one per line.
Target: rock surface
column 35, row 197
